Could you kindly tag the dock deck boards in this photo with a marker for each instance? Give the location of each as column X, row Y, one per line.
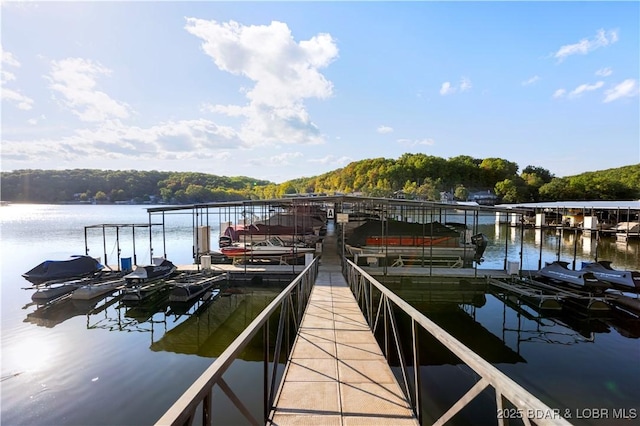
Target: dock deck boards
column 337, row 374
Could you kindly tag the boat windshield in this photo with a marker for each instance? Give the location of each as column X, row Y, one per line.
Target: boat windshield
column 275, row 241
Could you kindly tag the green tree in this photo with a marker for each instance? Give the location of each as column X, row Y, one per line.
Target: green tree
column 429, row 190
column 507, row 190
column 497, row 169
column 101, row 197
column 410, row 188
column 197, row 193
column 461, row 193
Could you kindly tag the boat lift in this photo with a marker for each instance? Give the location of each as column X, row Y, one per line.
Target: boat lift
column 117, row 227
column 538, row 298
column 546, row 296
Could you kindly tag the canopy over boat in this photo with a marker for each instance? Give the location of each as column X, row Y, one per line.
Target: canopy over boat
column 58, row 270
column 420, row 239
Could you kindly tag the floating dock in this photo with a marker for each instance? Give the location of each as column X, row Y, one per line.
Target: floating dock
column 337, row 373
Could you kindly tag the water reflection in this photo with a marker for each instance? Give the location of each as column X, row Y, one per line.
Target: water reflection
column 57, row 311
column 201, row 333
column 537, row 246
column 563, row 355
column 575, row 322
column 468, row 311
column 203, row 326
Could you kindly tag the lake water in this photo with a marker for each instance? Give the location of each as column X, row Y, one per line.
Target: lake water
column 118, row 366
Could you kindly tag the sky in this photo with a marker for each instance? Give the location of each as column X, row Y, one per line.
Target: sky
column 284, row 90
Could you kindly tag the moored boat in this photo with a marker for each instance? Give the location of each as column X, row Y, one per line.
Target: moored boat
column 161, row 268
column 256, row 232
column 146, row 281
column 623, row 280
column 272, row 247
column 51, row 271
column 306, row 224
column 422, row 240
column 559, row 272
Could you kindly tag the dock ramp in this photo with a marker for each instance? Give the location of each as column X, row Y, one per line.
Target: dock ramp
column 337, row 374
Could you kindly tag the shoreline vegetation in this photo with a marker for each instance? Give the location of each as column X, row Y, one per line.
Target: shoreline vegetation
column 412, row 176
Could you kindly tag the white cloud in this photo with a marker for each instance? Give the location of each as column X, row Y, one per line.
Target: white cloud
column 279, row 160
column 626, row 89
column 465, row 84
column 585, row 88
column 559, row 93
column 332, row 160
column 604, row 72
column 416, row 142
column 34, row 121
column 175, row 140
column 284, row 159
column 578, row 91
column 8, row 58
column 285, row 73
column 75, row 80
column 530, row 81
column 446, row 88
column 7, row 76
column 384, row 129
column 602, row 38
column 23, row 102
column 19, row 4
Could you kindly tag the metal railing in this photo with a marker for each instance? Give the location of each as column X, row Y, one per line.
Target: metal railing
column 290, row 304
column 378, row 309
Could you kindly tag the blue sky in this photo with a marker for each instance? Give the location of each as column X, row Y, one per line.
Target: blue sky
column 281, row 90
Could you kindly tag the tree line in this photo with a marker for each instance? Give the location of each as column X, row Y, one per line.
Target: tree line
column 113, row 186
column 418, row 176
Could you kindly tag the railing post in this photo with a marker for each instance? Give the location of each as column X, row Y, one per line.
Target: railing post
column 206, row 409
column 265, row 371
column 276, row 354
column 386, row 326
column 417, row 382
column 200, row 393
column 399, row 351
column 369, row 289
column 504, row 386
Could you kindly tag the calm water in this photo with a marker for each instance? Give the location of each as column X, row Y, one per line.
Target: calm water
column 126, row 367
column 119, row 366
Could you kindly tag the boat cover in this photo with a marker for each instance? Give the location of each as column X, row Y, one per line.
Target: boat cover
column 56, row 270
column 559, row 271
column 394, row 228
column 625, row 280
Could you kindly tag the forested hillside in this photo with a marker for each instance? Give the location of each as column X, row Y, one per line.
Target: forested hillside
column 425, row 177
column 83, row 185
column 417, row 175
column 622, row 183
